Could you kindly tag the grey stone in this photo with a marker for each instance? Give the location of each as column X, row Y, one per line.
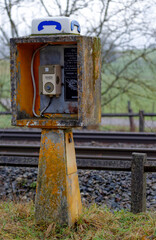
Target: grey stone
column 154, row 186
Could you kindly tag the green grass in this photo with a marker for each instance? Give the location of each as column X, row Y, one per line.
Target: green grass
column 96, row 223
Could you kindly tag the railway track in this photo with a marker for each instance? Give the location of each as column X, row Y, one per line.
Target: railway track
column 82, row 136
column 88, row 157
column 21, row 148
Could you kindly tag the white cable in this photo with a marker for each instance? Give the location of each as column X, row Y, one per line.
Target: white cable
column 34, row 84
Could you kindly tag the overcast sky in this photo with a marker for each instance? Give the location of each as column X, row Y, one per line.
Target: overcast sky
column 32, row 9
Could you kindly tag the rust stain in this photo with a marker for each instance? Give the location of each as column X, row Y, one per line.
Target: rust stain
column 72, row 109
column 48, row 123
column 51, row 152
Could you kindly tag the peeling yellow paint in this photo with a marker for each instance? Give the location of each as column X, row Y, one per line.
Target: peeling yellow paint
column 54, row 194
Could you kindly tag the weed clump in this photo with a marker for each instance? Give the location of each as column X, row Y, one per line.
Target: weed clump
column 96, row 223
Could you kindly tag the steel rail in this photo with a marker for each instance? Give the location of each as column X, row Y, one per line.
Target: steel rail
column 82, row 136
column 96, row 150
column 88, row 157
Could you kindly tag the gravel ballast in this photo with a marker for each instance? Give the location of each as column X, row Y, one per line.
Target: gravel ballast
column 100, row 187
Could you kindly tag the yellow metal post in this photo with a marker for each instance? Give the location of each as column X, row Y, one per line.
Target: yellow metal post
column 58, row 196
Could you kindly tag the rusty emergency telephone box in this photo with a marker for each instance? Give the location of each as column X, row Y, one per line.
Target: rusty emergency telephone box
column 66, row 72
column 55, row 86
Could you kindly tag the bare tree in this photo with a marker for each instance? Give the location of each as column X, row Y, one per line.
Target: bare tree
column 12, row 28
column 70, row 7
column 126, row 34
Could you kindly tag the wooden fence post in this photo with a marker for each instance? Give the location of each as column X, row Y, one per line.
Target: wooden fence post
column 141, row 121
column 131, row 119
column 138, row 183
